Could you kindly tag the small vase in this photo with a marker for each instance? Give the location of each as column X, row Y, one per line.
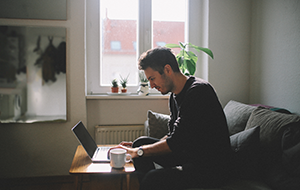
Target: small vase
column 114, row 89
column 124, row 90
column 143, row 89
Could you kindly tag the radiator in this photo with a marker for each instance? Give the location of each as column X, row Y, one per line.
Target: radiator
column 117, row 134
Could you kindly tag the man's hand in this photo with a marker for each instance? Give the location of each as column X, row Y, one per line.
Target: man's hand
column 127, row 144
column 131, row 151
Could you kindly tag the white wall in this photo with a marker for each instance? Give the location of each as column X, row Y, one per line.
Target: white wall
column 275, row 54
column 229, row 39
column 44, row 149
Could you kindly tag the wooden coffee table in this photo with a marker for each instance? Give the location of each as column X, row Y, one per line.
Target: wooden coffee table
column 83, row 165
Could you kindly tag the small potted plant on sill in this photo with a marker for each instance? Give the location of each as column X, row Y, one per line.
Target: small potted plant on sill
column 124, row 83
column 115, row 87
column 144, row 86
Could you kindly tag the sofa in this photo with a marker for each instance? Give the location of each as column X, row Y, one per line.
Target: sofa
column 265, row 142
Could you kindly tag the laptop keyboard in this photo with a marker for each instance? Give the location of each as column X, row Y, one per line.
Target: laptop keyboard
column 105, row 149
column 103, row 152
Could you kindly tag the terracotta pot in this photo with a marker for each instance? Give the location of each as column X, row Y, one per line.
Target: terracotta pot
column 124, row 90
column 114, row 89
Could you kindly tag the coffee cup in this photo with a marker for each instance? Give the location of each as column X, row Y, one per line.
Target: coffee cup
column 118, row 158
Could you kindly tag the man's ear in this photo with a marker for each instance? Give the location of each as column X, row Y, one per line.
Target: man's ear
column 168, row 69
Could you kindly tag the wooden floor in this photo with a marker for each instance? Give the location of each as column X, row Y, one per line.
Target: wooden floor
column 90, row 182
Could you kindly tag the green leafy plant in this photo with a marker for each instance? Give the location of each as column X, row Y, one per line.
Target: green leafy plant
column 187, row 59
column 114, row 83
column 124, row 81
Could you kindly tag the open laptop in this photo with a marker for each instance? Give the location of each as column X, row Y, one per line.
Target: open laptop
column 97, row 154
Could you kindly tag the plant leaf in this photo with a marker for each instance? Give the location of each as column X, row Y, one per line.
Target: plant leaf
column 182, row 45
column 205, row 50
column 180, row 57
column 180, row 61
column 192, row 56
column 181, row 64
column 186, row 54
column 191, row 66
column 184, row 65
column 172, row 46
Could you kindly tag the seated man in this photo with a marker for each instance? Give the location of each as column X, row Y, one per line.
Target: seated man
column 196, row 152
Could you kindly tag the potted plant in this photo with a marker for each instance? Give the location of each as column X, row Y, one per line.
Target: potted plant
column 142, row 77
column 115, row 87
column 187, row 59
column 124, row 83
column 144, row 87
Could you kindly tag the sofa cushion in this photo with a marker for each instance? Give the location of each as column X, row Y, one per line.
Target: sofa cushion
column 237, row 115
column 272, row 124
column 158, row 124
column 284, row 173
column 291, row 149
column 278, row 178
column 246, row 148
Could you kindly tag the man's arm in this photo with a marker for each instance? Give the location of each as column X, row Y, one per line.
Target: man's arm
column 158, row 148
column 129, row 144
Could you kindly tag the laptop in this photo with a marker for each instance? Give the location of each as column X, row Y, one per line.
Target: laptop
column 97, row 154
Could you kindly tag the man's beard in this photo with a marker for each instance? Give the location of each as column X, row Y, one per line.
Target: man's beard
column 168, row 85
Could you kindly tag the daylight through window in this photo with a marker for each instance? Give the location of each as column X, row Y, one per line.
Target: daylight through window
column 119, row 36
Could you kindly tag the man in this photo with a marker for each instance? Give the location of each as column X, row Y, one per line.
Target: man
column 196, row 152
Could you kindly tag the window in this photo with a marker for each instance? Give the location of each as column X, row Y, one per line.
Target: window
column 123, row 30
column 118, row 28
column 168, row 22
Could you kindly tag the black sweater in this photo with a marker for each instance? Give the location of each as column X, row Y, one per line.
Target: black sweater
column 198, row 128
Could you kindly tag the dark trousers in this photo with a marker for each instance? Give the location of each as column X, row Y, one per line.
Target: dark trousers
column 151, row 178
column 170, row 176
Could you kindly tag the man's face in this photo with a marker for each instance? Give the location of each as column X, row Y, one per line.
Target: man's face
column 160, row 82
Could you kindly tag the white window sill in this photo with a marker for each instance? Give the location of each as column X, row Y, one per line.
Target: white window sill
column 133, row 96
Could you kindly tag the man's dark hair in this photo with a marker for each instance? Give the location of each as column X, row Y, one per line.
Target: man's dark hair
column 157, row 58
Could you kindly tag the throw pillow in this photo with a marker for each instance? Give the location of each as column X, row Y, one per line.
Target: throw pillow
column 281, row 110
column 237, row 115
column 158, row 124
column 246, row 148
column 272, row 125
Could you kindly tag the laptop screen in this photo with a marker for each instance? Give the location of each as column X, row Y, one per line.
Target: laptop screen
column 85, row 138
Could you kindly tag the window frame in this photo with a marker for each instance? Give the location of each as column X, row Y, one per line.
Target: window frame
column 196, row 32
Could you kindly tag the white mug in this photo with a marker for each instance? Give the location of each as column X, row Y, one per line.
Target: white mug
column 118, row 158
